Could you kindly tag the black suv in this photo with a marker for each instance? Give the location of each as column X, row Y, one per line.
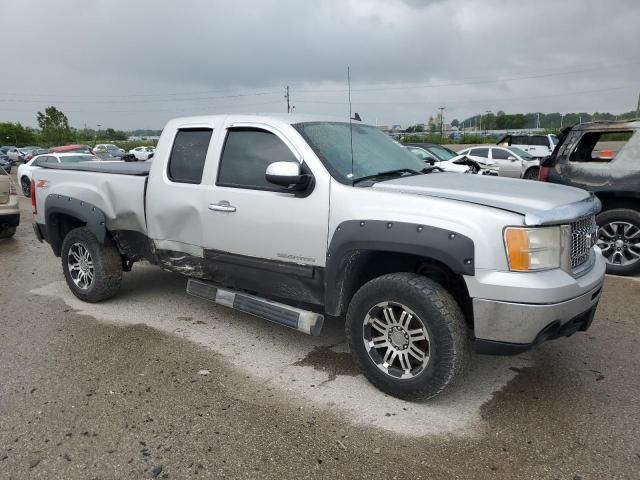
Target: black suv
column 604, row 158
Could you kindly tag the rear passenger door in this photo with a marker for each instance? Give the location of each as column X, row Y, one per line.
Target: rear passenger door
column 176, row 196
column 508, row 165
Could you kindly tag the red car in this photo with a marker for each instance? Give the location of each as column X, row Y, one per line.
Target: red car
column 71, row 149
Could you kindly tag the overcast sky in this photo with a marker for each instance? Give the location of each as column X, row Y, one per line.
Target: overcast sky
column 135, row 64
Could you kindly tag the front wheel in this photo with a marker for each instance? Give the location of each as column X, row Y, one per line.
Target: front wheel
column 93, row 271
column 407, row 335
column 532, row 173
column 619, row 240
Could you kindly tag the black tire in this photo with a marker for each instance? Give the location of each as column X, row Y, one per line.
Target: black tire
column 7, row 232
column 532, row 173
column 619, row 216
column 107, row 266
column 449, row 345
column 25, row 183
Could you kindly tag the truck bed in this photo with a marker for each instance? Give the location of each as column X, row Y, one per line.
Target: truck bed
column 140, row 169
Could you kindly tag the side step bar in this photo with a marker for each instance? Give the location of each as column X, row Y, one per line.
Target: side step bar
column 291, row 317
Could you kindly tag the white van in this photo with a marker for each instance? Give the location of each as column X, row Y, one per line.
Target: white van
column 538, row 146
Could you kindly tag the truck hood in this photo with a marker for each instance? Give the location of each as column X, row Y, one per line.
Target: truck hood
column 540, row 203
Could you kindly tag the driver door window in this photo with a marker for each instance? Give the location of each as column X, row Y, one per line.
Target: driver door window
column 247, row 154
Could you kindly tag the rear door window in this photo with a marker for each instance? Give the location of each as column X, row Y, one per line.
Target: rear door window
column 188, row 155
column 599, row 146
column 479, row 152
column 499, row 154
column 247, row 154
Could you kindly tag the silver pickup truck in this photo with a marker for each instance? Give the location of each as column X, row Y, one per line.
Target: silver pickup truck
column 294, row 218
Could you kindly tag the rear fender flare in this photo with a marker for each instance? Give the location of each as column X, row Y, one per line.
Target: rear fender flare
column 92, row 217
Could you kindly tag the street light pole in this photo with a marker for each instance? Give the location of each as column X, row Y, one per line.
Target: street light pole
column 442, row 123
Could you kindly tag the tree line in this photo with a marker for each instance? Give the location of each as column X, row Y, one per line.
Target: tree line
column 54, row 129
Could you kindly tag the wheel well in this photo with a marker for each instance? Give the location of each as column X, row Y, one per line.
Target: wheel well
column 619, row 200
column 362, row 266
column 58, row 226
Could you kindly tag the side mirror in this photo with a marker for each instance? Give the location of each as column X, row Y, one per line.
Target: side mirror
column 150, row 156
column 513, row 159
column 430, row 161
column 286, row 174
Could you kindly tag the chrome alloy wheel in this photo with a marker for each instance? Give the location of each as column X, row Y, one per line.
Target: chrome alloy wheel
column 619, row 242
column 396, row 340
column 80, row 266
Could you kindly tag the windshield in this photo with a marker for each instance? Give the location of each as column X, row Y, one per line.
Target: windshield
column 521, row 153
column 77, row 158
column 442, row 153
column 373, row 151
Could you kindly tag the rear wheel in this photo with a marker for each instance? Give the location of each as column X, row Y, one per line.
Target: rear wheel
column 93, row 271
column 7, row 232
column 26, row 186
column 619, row 240
column 407, row 335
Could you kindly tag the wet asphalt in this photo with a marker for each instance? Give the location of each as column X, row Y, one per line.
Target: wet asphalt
column 92, row 397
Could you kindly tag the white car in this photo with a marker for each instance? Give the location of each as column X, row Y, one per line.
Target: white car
column 25, row 170
column 506, row 162
column 142, row 153
column 434, row 160
column 538, row 146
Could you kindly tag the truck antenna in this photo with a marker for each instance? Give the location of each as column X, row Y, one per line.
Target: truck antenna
column 350, row 120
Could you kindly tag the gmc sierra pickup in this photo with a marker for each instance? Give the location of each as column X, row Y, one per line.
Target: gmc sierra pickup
column 292, row 218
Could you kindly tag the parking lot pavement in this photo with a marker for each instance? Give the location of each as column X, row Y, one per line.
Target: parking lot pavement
column 157, row 383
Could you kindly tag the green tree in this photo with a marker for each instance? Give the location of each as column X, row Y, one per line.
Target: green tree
column 54, row 126
column 16, row 134
column 455, row 122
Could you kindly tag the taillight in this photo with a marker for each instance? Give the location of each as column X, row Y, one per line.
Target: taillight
column 34, row 209
column 543, row 175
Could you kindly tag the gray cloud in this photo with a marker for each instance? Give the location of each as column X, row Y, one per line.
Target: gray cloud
column 136, row 64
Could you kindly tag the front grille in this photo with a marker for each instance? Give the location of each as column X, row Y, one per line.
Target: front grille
column 583, row 234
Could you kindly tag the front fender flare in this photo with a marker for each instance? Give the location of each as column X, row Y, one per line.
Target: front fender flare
column 354, row 237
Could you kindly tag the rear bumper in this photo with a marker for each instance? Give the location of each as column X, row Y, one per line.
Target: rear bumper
column 10, row 213
column 9, row 220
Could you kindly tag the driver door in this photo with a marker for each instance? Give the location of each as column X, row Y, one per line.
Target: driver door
column 257, row 228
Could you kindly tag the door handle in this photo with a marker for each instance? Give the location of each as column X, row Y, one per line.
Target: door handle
column 222, row 206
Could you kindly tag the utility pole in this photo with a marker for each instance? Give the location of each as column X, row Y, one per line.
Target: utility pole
column 486, row 123
column 288, row 97
column 561, row 118
column 638, row 108
column 442, row 123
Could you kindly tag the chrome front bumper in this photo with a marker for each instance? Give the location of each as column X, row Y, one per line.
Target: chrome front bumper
column 506, row 326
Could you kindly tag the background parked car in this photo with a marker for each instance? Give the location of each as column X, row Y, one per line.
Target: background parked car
column 604, row 158
column 112, row 149
column 5, row 163
column 71, row 149
column 539, row 146
column 443, row 158
column 142, row 153
column 506, row 162
column 9, row 208
column 35, row 152
column 25, row 170
column 14, row 155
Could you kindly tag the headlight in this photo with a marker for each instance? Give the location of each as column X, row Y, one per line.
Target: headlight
column 531, row 249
